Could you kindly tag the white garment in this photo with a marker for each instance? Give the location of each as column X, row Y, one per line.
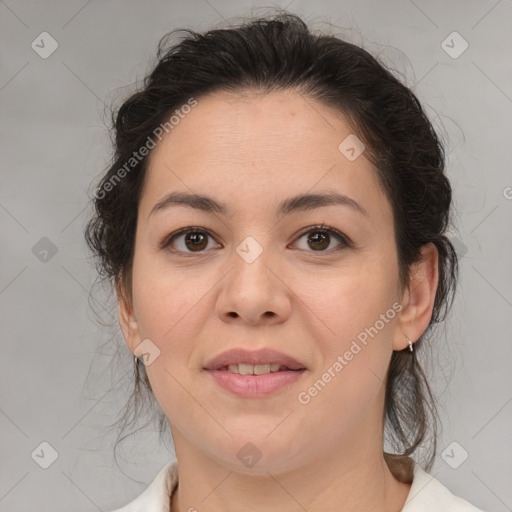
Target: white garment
column 426, row 494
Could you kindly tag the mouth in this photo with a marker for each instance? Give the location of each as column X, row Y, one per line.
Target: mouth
column 254, row 374
column 257, row 362
column 257, row 369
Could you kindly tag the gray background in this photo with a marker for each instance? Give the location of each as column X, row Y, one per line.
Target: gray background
column 57, row 379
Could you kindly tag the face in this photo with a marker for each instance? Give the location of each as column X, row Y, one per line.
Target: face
column 316, row 281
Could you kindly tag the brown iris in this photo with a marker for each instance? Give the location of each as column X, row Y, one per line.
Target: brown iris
column 198, row 240
column 319, row 237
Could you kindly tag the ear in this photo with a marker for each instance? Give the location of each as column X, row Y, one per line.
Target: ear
column 127, row 319
column 419, row 297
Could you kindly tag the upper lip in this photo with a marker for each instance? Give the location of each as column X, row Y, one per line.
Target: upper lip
column 244, row 356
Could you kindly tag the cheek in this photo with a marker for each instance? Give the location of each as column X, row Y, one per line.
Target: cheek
column 167, row 306
column 169, row 309
column 165, row 300
column 349, row 382
column 357, row 313
column 352, row 300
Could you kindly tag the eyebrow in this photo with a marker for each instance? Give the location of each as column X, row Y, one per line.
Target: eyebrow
column 301, row 202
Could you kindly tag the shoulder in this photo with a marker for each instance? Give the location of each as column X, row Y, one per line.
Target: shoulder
column 155, row 497
column 427, row 494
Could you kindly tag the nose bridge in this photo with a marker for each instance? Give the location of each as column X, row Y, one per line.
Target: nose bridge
column 252, row 261
column 252, row 290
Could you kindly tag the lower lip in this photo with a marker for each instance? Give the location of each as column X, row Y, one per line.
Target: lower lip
column 254, row 386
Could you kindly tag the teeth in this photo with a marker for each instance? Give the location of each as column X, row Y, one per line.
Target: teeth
column 253, row 369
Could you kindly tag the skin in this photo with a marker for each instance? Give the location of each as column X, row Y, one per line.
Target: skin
column 252, row 151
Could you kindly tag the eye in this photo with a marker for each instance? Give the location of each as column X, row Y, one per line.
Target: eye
column 319, row 238
column 195, row 240
column 191, row 239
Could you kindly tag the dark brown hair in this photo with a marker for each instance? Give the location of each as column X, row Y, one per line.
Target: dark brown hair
column 278, row 53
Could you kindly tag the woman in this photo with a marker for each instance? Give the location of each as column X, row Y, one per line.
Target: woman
column 274, row 225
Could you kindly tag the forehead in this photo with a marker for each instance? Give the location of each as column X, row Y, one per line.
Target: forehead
column 283, row 118
column 258, row 145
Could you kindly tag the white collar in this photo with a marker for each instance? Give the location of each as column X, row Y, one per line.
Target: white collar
column 427, row 494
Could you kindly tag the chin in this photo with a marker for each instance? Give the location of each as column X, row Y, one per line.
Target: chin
column 260, row 453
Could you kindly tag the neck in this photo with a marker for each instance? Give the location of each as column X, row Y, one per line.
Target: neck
column 354, row 477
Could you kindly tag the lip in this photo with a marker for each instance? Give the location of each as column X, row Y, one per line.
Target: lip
column 254, row 386
column 262, row 356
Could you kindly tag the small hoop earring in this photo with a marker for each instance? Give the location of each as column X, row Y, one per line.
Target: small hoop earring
column 410, row 344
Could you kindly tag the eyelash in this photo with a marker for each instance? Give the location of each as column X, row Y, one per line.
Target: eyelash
column 168, row 240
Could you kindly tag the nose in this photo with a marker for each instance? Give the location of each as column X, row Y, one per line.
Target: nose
column 254, row 293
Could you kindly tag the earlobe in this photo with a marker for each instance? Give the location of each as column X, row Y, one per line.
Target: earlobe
column 127, row 321
column 419, row 298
